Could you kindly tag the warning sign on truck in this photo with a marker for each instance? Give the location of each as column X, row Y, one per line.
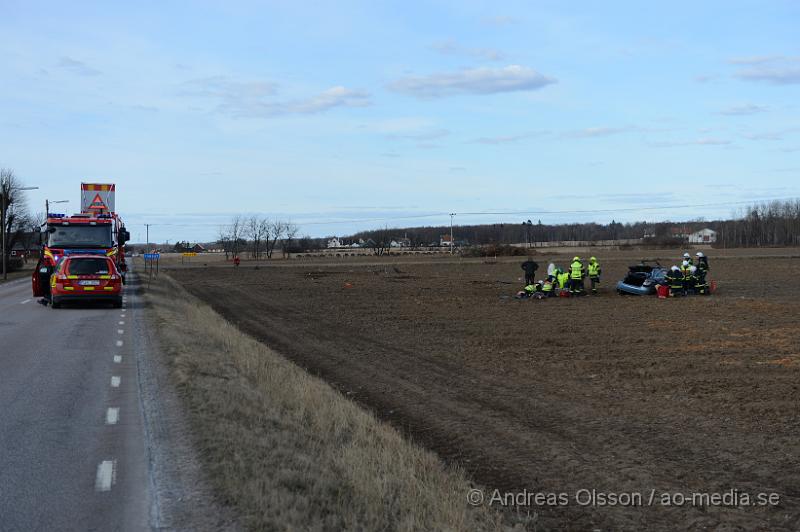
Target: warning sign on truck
column 97, row 198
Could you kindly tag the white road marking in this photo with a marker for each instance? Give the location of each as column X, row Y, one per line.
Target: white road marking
column 120, row 331
column 106, row 475
column 24, row 301
column 115, row 381
column 122, row 315
column 117, row 359
column 112, row 416
column 119, row 343
column 122, row 322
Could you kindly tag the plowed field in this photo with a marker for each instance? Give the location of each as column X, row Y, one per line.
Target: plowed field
column 616, row 394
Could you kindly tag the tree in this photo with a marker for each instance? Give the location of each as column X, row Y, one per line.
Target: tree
column 275, row 230
column 232, row 236
column 290, row 233
column 14, row 217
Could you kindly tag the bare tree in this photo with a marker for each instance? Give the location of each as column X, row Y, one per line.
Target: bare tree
column 14, row 216
column 256, row 228
column 275, row 230
column 290, row 233
column 233, row 234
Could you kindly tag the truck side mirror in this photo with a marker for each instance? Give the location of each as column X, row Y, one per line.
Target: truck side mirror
column 123, row 236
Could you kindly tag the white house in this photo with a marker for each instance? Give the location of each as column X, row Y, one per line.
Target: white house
column 334, row 243
column 703, row 236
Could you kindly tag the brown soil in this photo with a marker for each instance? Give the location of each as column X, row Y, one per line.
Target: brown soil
column 616, row 394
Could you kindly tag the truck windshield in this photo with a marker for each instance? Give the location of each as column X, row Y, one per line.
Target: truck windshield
column 80, row 236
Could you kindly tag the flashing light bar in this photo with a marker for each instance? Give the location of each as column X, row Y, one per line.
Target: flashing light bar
column 54, row 215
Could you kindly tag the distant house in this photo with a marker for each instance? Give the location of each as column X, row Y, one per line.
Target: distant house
column 445, row 240
column 334, row 243
column 682, row 232
column 198, row 248
column 703, row 236
column 400, row 243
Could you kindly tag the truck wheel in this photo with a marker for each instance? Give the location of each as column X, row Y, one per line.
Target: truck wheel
column 55, row 303
column 118, row 303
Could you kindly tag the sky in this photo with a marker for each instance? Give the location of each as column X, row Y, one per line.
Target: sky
column 343, row 116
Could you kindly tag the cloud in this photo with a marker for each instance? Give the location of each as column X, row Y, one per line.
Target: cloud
column 775, row 69
column 591, row 132
column 225, row 88
column 253, row 99
column 451, row 47
column 511, row 78
column 507, row 139
column 324, row 101
column 708, row 141
column 771, row 135
column 425, row 134
column 745, row 109
column 755, row 59
column 77, row 67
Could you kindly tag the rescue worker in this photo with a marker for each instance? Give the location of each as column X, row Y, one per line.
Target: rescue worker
column 702, row 273
column 702, row 261
column 675, row 281
column 547, row 286
column 691, row 283
column 700, row 283
column 687, row 275
column 563, row 281
column 576, row 274
column 44, row 273
column 530, row 267
column 594, row 273
column 687, row 258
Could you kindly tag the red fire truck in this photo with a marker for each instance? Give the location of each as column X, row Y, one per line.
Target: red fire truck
column 97, row 230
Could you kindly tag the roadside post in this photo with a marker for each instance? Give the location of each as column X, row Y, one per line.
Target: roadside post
column 187, row 254
column 150, row 262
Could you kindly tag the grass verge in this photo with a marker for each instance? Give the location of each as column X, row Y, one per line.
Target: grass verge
column 287, row 450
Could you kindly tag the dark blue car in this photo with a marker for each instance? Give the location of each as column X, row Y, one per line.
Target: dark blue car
column 642, row 279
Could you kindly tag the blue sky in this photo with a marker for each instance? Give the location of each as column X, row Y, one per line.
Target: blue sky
column 345, row 111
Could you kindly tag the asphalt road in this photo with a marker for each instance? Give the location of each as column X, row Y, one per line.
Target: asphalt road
column 84, row 441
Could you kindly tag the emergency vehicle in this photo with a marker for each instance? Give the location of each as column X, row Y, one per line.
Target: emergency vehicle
column 97, row 230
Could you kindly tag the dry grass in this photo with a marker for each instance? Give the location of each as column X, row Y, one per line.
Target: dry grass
column 287, row 450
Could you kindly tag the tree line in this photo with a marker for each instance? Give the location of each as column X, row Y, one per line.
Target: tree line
column 774, row 223
column 257, row 236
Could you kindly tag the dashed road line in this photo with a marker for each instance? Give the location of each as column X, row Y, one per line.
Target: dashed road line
column 120, row 331
column 106, row 475
column 119, row 343
column 117, row 359
column 115, row 380
column 122, row 322
column 24, row 301
column 112, row 416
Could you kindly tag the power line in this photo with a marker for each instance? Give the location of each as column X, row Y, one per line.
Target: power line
column 444, row 214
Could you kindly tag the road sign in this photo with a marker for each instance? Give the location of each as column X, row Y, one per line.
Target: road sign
column 189, row 254
column 151, row 256
column 97, row 197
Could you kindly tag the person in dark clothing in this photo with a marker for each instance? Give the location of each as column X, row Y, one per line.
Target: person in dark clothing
column 44, row 272
column 530, row 267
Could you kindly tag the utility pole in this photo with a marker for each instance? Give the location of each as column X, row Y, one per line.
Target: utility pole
column 47, row 206
column 452, row 243
column 147, row 245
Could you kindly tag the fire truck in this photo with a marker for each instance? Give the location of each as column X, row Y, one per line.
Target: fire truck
column 97, row 230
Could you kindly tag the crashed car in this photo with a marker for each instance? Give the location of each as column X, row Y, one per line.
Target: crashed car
column 642, row 279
